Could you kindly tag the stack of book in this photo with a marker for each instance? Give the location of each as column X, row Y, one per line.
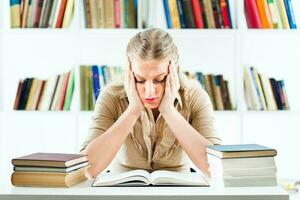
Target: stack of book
column 49, row 170
column 263, row 93
column 216, row 87
column 93, row 79
column 41, row 13
column 55, row 93
column 242, row 165
column 275, row 14
column 159, row 13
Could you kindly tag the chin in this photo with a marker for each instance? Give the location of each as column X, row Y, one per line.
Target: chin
column 151, row 106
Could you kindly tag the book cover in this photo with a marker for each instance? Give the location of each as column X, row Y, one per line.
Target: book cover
column 274, row 14
column 167, row 13
column 69, row 11
column 181, row 14
column 49, row 160
column 48, row 179
column 290, row 14
column 240, row 151
column 188, row 13
column 197, row 13
column 38, row 13
column 209, row 13
column 282, row 13
column 252, row 14
column 174, row 13
column 264, row 14
column 61, row 13
column 225, row 14
column 18, row 95
column 70, row 91
column 15, row 14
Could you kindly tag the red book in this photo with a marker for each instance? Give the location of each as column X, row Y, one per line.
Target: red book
column 225, row 15
column 197, row 13
column 61, row 14
column 117, row 14
column 38, row 13
column 252, row 14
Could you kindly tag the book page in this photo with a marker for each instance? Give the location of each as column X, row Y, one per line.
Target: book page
column 163, row 177
column 133, row 177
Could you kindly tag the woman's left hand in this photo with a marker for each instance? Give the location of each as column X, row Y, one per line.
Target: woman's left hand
column 171, row 89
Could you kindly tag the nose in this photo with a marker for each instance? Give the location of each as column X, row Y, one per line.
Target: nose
column 149, row 90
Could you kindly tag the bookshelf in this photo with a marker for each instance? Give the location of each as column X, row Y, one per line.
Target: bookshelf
column 44, row 52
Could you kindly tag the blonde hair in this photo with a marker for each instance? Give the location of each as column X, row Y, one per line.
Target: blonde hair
column 153, row 44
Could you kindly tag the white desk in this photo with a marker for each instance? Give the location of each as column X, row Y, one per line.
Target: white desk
column 84, row 191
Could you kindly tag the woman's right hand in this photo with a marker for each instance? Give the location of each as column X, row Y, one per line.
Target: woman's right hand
column 135, row 103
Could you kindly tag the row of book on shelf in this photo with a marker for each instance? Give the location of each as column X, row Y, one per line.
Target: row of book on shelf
column 275, row 14
column 56, row 93
column 216, row 87
column 160, row 13
column 41, row 13
column 263, row 93
column 237, row 165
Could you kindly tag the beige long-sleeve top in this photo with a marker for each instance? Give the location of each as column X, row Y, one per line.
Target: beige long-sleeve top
column 151, row 145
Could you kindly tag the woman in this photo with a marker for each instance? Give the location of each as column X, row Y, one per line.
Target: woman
column 156, row 114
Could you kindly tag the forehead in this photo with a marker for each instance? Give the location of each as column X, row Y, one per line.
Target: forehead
column 149, row 69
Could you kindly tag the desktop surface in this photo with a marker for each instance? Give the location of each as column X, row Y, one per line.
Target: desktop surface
column 85, row 191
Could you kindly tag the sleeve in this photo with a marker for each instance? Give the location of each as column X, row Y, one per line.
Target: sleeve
column 202, row 117
column 104, row 116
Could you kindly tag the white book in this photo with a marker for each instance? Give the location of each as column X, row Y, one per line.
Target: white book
column 50, row 169
column 250, row 181
column 156, row 15
column 238, row 163
column 31, row 13
column 142, row 177
column 271, row 103
column 48, row 93
column 54, row 8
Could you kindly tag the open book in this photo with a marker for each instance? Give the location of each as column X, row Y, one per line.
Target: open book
column 142, row 177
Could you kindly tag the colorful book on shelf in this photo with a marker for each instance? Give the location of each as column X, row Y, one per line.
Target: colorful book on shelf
column 181, row 14
column 209, row 13
column 18, row 95
column 70, row 91
column 274, row 14
column 188, row 14
column 282, row 13
column 290, row 14
column 252, row 14
column 168, row 14
column 69, row 12
column 264, row 14
column 174, row 14
column 197, row 13
column 217, row 14
column 225, row 13
column 240, row 151
column 15, row 14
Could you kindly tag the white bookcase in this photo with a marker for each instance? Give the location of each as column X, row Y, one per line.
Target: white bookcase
column 44, row 52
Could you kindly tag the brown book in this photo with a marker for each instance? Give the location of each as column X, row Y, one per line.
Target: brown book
column 48, row 179
column 109, row 18
column 18, row 95
column 49, row 160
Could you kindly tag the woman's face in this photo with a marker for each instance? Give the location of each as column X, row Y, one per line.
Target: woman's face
column 150, row 77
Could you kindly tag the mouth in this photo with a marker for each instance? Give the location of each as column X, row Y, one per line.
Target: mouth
column 150, row 100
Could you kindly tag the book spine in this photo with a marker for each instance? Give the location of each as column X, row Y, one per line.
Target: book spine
column 197, row 13
column 167, row 13
column 181, row 14
column 290, row 14
column 252, row 14
column 15, row 13
column 264, row 13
